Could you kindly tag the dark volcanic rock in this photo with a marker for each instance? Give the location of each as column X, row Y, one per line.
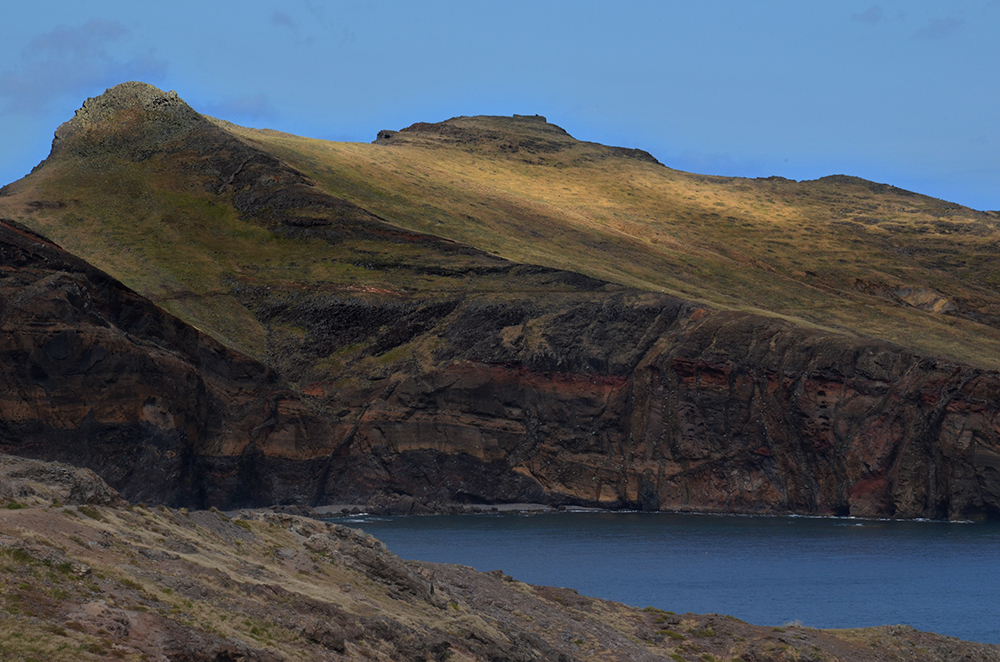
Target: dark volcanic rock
column 94, row 375
column 682, row 410
column 641, row 401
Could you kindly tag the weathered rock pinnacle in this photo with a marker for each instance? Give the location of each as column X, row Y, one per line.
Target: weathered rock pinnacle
column 164, row 115
column 131, row 94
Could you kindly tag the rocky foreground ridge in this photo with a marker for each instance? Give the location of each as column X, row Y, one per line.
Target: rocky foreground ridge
column 434, row 373
column 86, row 576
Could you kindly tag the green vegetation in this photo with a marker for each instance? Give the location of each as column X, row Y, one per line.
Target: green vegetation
column 90, row 511
column 837, row 253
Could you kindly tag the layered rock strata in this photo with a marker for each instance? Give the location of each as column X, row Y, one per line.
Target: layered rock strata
column 709, row 412
column 632, row 401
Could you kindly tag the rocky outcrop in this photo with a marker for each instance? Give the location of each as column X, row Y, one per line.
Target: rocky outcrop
column 526, row 137
column 23, row 480
column 111, row 123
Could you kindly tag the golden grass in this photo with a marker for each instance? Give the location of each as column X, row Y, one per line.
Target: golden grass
column 795, row 250
column 822, row 254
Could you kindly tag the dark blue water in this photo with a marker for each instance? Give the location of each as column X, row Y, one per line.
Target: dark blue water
column 827, row 573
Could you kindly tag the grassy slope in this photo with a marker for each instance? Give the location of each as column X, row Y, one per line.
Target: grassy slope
column 189, row 250
column 835, row 253
column 796, row 250
column 159, row 241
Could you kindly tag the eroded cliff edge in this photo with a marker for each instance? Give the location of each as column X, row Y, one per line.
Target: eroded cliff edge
column 416, row 371
column 683, row 409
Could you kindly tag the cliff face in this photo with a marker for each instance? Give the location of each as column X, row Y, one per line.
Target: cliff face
column 618, row 400
column 715, row 412
column 830, row 425
column 401, row 369
column 95, row 375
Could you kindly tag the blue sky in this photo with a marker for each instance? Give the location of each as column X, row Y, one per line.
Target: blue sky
column 905, row 93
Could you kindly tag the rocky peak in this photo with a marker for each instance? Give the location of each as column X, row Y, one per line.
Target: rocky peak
column 162, row 114
column 129, row 95
column 483, row 130
column 524, row 136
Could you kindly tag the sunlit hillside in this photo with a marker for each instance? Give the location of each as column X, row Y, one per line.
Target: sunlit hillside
column 838, row 253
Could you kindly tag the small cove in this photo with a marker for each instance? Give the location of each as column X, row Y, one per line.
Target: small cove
column 825, row 572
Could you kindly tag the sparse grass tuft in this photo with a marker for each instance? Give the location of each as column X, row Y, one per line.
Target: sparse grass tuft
column 90, row 511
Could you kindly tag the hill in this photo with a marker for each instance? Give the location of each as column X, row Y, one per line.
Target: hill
column 93, row 374
column 487, row 310
column 840, row 253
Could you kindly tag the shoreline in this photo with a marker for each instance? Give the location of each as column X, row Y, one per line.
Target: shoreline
column 347, row 510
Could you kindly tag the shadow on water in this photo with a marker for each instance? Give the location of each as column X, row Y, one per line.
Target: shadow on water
column 825, row 572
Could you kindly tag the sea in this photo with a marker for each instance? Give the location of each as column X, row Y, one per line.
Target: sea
column 938, row 576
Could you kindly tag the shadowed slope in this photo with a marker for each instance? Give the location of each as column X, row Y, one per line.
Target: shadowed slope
column 94, row 374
